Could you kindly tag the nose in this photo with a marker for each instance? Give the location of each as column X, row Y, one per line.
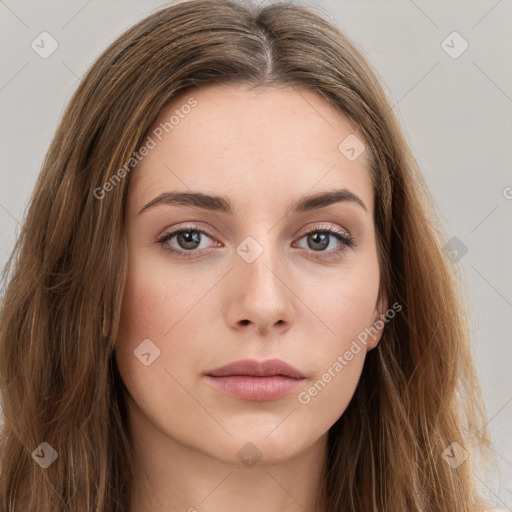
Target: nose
column 260, row 294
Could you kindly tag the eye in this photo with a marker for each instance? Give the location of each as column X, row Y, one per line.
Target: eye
column 188, row 240
column 319, row 239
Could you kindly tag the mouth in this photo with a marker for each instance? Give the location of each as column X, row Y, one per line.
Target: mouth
column 252, row 380
column 253, row 368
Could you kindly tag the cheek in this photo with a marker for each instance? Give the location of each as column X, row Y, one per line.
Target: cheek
column 156, row 315
column 339, row 355
column 150, row 309
column 347, row 303
column 165, row 308
column 155, row 299
column 347, row 310
column 144, row 305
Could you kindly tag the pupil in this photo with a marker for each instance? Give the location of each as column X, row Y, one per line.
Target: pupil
column 320, row 238
column 189, row 237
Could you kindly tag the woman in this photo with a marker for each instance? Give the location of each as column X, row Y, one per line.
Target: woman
column 229, row 289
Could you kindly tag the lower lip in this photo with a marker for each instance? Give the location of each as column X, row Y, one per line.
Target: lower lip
column 257, row 389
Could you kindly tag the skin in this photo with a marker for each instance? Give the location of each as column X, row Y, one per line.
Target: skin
column 263, row 149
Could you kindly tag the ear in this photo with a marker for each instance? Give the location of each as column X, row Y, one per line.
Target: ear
column 378, row 320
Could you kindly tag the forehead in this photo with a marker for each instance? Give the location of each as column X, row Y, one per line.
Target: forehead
column 231, row 140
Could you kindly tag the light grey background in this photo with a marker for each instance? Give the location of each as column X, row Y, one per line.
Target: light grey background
column 456, row 113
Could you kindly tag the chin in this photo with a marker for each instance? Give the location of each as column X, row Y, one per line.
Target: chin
column 259, row 448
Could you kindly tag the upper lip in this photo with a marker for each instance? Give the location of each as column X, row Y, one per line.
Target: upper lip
column 253, row 368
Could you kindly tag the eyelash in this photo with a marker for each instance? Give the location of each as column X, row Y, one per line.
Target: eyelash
column 346, row 241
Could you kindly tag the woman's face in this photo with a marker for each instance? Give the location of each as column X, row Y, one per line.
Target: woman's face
column 260, row 275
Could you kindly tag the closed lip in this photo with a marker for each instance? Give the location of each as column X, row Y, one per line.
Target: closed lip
column 254, row 368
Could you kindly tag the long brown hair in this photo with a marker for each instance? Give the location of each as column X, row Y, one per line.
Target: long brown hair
column 60, row 313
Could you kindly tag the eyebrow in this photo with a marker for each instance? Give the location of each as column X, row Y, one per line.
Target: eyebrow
column 224, row 205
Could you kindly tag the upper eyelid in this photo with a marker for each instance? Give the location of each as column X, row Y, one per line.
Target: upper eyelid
column 185, row 227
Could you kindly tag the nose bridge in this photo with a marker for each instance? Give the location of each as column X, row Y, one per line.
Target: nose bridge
column 258, row 259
